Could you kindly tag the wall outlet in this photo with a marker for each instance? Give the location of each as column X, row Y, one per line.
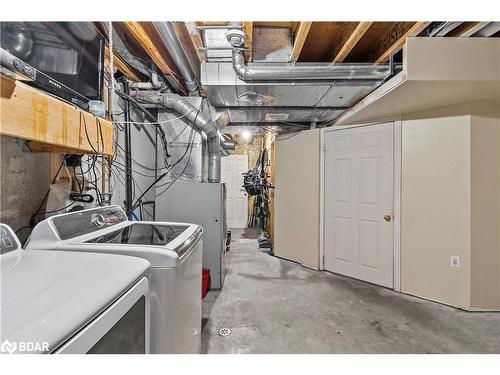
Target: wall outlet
column 455, row 261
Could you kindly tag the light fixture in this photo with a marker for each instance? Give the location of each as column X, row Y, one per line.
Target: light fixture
column 254, row 98
column 246, row 135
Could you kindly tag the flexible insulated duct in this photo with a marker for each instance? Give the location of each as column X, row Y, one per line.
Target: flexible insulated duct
column 125, row 54
column 157, row 82
column 200, row 122
column 303, row 72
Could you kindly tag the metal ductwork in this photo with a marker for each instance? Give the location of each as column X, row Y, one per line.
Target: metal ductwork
column 293, row 73
column 174, row 47
column 200, row 122
column 155, row 84
column 227, row 144
column 275, row 93
column 274, row 102
column 158, row 81
column 302, row 72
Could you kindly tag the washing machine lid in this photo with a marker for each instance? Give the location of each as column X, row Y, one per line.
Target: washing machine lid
column 47, row 296
column 106, row 230
column 163, row 245
column 143, row 233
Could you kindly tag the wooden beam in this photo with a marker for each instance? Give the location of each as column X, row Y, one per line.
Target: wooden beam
column 121, row 66
column 300, row 39
column 212, row 23
column 248, row 29
column 140, row 34
column 52, row 124
column 349, row 41
column 197, row 40
column 145, row 40
column 395, row 39
column 471, row 29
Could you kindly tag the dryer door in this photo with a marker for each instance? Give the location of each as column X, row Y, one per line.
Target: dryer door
column 123, row 328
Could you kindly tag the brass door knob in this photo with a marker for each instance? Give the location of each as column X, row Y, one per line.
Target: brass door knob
column 387, row 217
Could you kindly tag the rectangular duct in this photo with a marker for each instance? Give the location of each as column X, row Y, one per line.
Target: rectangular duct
column 261, row 101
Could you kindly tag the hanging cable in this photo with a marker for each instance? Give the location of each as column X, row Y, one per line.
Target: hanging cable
column 150, row 117
column 167, row 172
column 111, row 66
column 157, row 122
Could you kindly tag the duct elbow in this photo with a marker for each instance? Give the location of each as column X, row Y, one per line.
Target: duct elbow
column 241, row 71
column 227, row 144
column 239, row 66
column 192, row 87
column 199, row 121
column 299, row 73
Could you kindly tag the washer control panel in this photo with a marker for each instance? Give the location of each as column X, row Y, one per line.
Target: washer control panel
column 78, row 223
column 8, row 239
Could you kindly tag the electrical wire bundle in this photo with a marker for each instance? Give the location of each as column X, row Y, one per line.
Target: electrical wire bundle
column 161, row 172
column 91, row 177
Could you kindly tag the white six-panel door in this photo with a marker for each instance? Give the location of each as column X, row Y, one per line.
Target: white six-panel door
column 232, row 170
column 358, row 203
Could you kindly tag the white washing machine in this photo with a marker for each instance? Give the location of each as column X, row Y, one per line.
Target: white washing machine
column 55, row 302
column 173, row 249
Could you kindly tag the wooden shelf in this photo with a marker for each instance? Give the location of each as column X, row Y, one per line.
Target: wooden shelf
column 50, row 124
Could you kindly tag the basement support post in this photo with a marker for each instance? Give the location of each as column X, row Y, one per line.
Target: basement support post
column 128, row 154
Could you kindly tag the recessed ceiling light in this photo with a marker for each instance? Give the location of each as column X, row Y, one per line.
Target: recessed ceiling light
column 246, row 135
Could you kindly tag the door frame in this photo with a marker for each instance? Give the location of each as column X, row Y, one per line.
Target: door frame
column 247, row 212
column 397, row 195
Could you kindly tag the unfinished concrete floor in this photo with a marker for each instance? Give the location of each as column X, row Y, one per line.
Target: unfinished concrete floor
column 275, row 306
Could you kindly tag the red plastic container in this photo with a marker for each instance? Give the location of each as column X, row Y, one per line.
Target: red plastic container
column 205, row 282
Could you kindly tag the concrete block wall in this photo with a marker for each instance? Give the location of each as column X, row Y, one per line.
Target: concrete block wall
column 25, row 178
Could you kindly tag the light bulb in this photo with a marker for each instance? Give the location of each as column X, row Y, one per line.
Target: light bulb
column 246, row 135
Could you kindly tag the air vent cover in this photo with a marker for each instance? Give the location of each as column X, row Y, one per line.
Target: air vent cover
column 270, row 116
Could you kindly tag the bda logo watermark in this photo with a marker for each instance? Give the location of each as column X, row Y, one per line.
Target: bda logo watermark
column 8, row 347
column 23, row 346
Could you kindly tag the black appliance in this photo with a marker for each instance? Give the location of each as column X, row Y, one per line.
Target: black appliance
column 64, row 58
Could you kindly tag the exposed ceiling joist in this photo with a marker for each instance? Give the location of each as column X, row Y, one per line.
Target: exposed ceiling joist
column 248, row 29
column 300, row 39
column 196, row 40
column 291, row 24
column 121, row 66
column 212, row 23
column 349, row 40
column 491, row 29
column 395, row 40
column 470, row 28
column 145, row 39
column 441, row 29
